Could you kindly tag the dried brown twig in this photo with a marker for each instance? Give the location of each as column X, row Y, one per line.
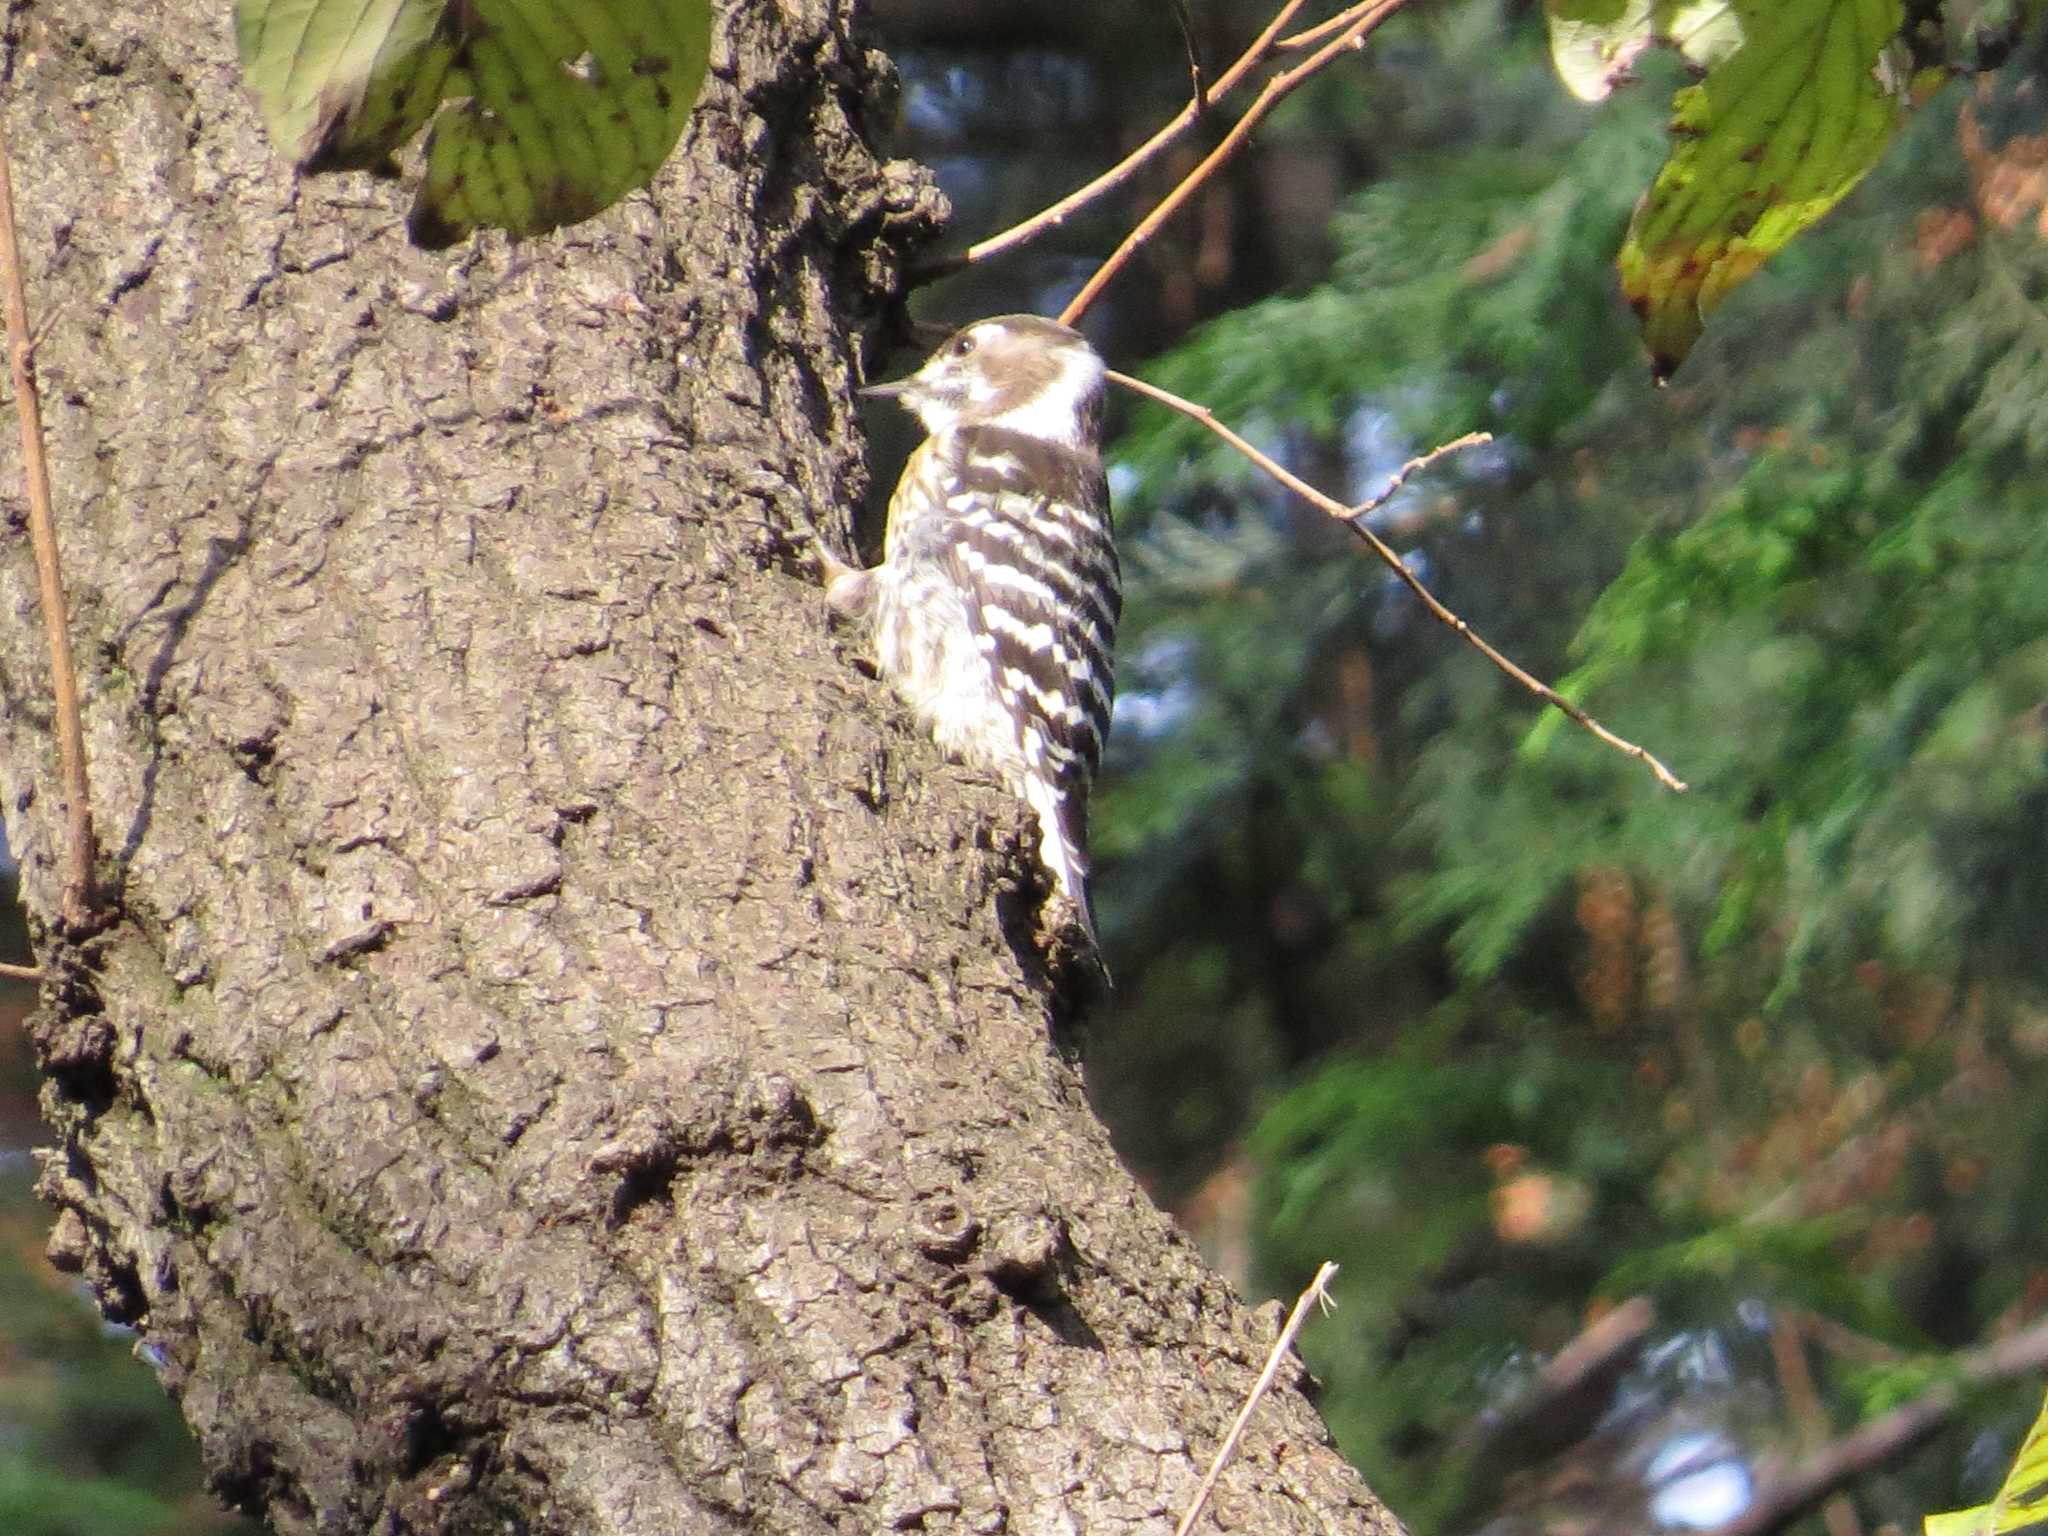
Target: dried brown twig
column 77, row 903
column 1357, row 20
column 1318, row 1292
column 1353, row 518
column 1058, row 214
column 1362, row 21
column 1308, row 37
column 1345, row 31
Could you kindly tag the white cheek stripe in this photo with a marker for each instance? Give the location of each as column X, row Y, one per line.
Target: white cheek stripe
column 1054, row 413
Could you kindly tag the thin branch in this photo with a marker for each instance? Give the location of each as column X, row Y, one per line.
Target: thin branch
column 1129, row 166
column 1837, row 1338
column 1869, row 1446
column 1198, row 77
column 77, row 904
column 19, row 972
column 1308, row 37
column 1400, row 476
column 1559, row 1406
column 56, row 313
column 1352, row 518
column 1317, row 1292
column 1808, row 1414
column 1365, row 22
column 35, row 342
column 1864, row 1449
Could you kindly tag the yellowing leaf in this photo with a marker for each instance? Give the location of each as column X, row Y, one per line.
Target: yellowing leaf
column 1594, row 43
column 1775, row 135
column 549, row 110
column 2021, row 1503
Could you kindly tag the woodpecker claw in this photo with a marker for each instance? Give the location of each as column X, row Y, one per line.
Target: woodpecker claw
column 808, row 542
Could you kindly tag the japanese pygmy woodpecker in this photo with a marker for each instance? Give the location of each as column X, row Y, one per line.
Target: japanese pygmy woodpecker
column 994, row 609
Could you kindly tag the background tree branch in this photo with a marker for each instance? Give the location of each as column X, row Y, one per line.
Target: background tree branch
column 1882, row 1440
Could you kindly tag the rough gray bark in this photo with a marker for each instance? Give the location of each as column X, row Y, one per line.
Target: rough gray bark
column 556, row 1063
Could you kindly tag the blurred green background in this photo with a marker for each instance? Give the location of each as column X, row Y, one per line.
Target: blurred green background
column 1411, row 976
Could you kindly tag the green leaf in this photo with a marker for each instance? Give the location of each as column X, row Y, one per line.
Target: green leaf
column 548, row 110
column 1774, row 137
column 1594, row 43
column 2022, row 1501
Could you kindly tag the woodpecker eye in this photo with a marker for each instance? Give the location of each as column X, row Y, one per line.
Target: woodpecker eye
column 961, row 345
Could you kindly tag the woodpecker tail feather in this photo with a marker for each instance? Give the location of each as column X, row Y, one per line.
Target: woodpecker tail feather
column 1063, row 845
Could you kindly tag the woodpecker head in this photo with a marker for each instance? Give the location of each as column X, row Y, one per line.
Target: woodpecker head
column 1022, row 372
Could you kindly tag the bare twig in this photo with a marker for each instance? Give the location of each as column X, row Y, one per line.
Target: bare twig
column 20, row 972
column 1869, row 1446
column 1308, row 37
column 77, row 902
column 1198, row 77
column 1365, row 20
column 1317, row 1292
column 56, row 313
column 1353, row 518
column 1415, row 465
column 1129, row 166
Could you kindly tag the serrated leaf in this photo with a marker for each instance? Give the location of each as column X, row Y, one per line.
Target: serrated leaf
column 1777, row 134
column 548, row 110
column 2022, row 1501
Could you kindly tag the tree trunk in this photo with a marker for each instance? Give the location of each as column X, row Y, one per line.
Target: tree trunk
column 556, row 1062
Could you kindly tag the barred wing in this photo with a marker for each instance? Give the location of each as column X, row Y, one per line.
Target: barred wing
column 1032, row 547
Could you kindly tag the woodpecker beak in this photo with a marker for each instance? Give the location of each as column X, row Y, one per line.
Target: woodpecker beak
column 885, row 391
